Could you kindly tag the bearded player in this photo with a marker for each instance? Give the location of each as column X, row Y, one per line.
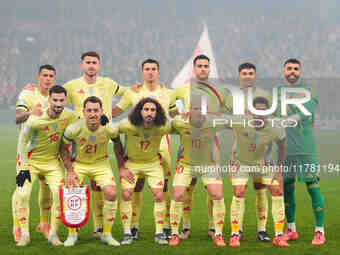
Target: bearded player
column 40, row 150
column 302, row 159
column 144, row 131
column 217, row 102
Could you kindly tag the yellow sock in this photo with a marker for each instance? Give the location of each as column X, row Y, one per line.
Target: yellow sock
column 22, row 205
column 235, row 213
column 158, row 211
column 210, row 212
column 109, row 211
column 14, row 211
column 167, row 201
column 44, row 202
column 261, row 209
column 278, row 211
column 97, row 198
column 218, row 207
column 137, row 203
column 55, row 211
column 187, row 206
column 176, row 211
column 125, row 214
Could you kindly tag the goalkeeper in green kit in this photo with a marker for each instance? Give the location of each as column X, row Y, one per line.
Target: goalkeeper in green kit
column 302, row 160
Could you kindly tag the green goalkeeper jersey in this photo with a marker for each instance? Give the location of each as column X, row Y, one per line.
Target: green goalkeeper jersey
column 300, row 139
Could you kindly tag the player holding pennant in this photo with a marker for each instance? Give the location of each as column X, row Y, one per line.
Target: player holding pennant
column 89, row 140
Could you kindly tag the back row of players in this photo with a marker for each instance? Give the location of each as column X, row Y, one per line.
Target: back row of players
column 48, row 130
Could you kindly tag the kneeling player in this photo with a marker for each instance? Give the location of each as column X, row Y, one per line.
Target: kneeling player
column 90, row 142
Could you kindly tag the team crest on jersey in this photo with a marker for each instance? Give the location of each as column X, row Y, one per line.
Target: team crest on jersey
column 92, row 139
column 146, row 136
column 246, row 134
column 136, row 134
column 46, row 128
column 38, row 105
column 81, row 91
column 55, row 127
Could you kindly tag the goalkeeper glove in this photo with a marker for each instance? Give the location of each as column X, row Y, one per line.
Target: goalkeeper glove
column 22, row 176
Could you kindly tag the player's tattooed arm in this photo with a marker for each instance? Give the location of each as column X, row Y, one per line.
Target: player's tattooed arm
column 72, row 179
column 21, row 115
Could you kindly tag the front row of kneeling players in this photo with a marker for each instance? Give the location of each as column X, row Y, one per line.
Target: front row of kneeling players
column 48, row 136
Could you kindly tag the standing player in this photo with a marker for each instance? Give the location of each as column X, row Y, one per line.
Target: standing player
column 144, row 131
column 217, row 102
column 254, row 145
column 302, row 157
column 31, row 103
column 90, row 142
column 197, row 135
column 150, row 88
column 40, row 150
column 247, row 78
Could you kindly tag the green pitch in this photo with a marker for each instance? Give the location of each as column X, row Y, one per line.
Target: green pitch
column 199, row 243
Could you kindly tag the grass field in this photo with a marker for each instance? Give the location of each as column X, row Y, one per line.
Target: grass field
column 199, row 243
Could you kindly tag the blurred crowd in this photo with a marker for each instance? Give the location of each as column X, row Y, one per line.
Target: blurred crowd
column 124, row 43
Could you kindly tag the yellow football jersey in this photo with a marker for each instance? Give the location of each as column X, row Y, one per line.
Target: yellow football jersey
column 142, row 144
column 254, row 147
column 199, row 143
column 162, row 95
column 29, row 100
column 104, row 88
column 89, row 147
column 42, row 136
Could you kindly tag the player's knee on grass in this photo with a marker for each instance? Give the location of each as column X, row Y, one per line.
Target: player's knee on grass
column 239, row 191
column 178, row 194
column 258, row 185
column 127, row 194
column 275, row 190
column 157, row 195
column 110, row 193
column 139, row 185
